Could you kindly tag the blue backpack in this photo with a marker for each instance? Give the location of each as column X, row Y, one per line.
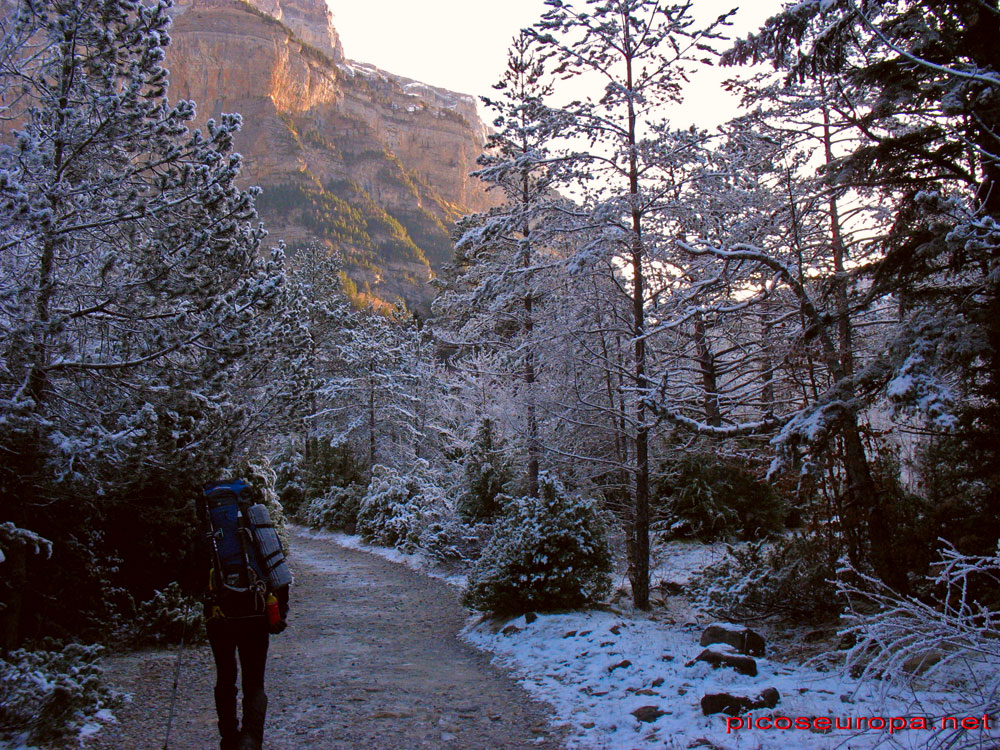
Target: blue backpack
column 247, row 557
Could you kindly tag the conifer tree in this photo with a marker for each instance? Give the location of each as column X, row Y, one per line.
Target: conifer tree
column 374, row 399
column 501, row 262
column 131, row 286
column 920, row 82
column 640, row 52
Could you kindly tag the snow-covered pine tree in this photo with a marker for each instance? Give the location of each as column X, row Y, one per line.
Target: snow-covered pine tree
column 373, row 402
column 311, row 327
column 487, row 475
column 548, row 552
column 640, row 52
column 931, row 150
column 772, row 249
column 131, row 291
column 501, row 261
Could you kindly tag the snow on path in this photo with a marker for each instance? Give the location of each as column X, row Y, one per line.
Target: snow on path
column 370, row 661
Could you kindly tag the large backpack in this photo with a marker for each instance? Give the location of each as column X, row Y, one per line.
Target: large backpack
column 247, row 558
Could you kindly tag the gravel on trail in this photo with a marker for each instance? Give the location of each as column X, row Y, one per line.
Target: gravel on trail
column 370, row 660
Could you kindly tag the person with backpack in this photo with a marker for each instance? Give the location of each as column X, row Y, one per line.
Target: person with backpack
column 246, row 602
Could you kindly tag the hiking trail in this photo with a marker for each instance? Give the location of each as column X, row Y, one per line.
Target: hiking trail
column 370, row 660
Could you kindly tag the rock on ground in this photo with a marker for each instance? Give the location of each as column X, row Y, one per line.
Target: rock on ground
column 370, row 660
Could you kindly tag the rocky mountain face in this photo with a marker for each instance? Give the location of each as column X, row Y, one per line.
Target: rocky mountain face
column 367, row 162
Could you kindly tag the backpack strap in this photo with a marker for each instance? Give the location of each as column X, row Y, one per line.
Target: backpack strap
column 257, row 585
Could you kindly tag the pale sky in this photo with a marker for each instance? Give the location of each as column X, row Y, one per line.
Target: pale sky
column 462, row 44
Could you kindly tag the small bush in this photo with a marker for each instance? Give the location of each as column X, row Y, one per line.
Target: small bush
column 549, row 552
column 451, row 540
column 790, row 578
column 710, row 498
column 46, row 696
column 487, row 475
column 337, row 510
column 166, row 618
column 398, row 508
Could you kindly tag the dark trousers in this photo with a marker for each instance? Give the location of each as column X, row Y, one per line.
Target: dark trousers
column 248, row 638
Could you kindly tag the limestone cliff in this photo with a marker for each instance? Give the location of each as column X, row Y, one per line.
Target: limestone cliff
column 368, row 162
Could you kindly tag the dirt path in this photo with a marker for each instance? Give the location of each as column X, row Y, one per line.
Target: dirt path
column 370, row 661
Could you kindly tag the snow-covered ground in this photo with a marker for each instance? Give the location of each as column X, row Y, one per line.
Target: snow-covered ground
column 596, row 668
column 679, row 561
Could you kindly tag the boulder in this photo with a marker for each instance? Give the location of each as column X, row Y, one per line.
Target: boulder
column 742, row 664
column 648, row 713
column 724, row 703
column 768, row 698
column 733, row 705
column 742, row 639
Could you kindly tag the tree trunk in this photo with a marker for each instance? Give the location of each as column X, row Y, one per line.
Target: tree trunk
column 864, row 507
column 640, row 528
column 709, row 376
column 767, row 364
column 529, row 358
column 371, row 424
column 534, row 449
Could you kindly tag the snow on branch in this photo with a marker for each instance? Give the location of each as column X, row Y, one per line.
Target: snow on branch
column 11, row 535
column 656, row 403
column 949, row 643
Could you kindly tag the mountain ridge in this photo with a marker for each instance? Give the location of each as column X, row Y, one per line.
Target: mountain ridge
column 371, row 164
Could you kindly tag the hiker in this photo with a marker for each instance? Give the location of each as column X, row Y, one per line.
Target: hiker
column 246, row 602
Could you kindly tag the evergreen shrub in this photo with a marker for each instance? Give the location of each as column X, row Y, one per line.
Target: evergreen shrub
column 708, row 497
column 305, row 476
column 792, row 578
column 449, row 539
column 549, row 552
column 487, row 475
column 337, row 510
column 47, row 696
column 397, row 508
column 166, row 618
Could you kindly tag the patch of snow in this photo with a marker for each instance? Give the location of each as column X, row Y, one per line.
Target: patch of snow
column 731, row 627
column 98, row 720
column 595, row 677
column 680, row 560
column 365, row 70
column 415, row 88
